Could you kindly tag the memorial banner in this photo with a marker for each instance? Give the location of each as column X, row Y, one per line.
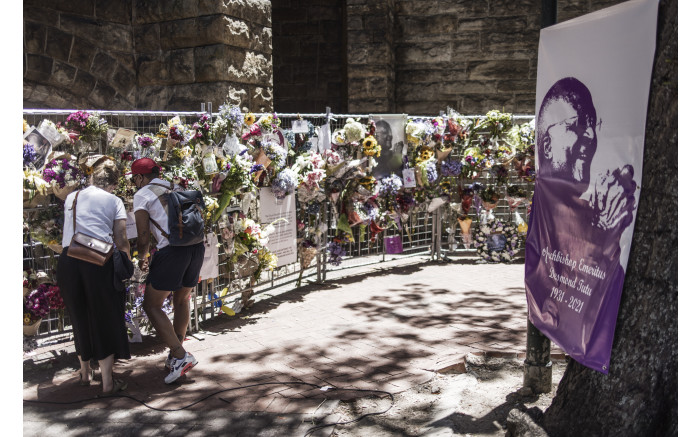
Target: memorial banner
column 593, row 78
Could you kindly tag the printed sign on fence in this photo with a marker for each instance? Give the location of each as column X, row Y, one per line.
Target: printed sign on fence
column 593, row 79
column 283, row 241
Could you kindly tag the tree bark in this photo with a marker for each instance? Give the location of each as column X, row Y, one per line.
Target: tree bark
column 639, row 397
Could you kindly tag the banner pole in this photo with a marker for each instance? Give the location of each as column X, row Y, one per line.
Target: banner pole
column 538, row 364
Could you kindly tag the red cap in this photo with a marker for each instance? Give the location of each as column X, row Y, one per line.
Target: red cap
column 143, row 166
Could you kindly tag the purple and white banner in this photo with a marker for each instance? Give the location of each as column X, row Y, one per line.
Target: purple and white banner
column 593, row 78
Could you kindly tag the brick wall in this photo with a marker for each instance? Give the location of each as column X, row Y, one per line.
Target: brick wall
column 147, row 54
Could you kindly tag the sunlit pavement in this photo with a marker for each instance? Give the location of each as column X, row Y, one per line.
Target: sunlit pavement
column 387, row 327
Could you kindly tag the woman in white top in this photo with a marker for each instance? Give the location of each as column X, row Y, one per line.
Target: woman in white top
column 95, row 305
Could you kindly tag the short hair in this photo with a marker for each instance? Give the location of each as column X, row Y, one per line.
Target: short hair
column 105, row 173
column 572, row 91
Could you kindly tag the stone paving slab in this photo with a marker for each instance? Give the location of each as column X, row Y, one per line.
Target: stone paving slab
column 389, row 328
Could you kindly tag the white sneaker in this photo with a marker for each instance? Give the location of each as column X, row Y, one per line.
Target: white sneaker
column 180, row 367
column 169, row 362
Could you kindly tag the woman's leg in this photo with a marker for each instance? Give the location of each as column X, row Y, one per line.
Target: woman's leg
column 152, row 303
column 106, row 366
column 84, row 370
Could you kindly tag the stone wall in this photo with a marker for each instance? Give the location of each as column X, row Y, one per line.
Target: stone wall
column 416, row 56
column 147, row 54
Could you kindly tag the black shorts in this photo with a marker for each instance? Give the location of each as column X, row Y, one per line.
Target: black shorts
column 174, row 267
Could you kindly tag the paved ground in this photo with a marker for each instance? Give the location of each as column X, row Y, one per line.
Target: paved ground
column 387, row 327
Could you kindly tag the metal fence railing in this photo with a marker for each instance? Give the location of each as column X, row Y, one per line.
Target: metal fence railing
column 425, row 233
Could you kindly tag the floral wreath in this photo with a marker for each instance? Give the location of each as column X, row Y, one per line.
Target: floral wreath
column 496, row 227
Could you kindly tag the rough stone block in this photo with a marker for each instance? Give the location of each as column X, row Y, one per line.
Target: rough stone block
column 440, row 72
column 501, row 24
column 126, row 103
column 63, row 74
column 58, row 44
column 39, row 64
column 422, row 7
column 516, row 85
column 427, row 25
column 173, row 67
column 253, row 68
column 82, row 53
column 262, row 99
column 153, row 97
column 506, row 7
column 509, row 41
column 40, row 14
column 80, row 7
column 84, row 82
column 370, row 53
column 34, row 37
column 103, row 65
column 111, row 36
column 102, row 95
column 354, row 22
column 147, row 38
column 463, row 49
column 123, row 79
column 146, row 11
column 516, row 69
column 117, row 11
column 421, row 53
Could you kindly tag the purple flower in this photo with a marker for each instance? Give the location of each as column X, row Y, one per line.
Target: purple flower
column 390, row 185
column 284, row 183
column 145, row 141
column 335, row 253
column 256, row 168
column 29, row 154
column 450, row 168
column 431, row 172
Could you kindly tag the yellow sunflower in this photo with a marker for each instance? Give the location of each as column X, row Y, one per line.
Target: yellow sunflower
column 425, row 154
column 249, row 119
column 370, row 146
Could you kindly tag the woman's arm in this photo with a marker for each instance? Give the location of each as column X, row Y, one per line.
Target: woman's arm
column 119, row 231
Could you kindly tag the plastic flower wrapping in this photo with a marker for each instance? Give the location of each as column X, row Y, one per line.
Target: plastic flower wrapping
column 85, row 125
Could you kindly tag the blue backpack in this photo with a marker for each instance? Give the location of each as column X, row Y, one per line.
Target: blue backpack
column 185, row 218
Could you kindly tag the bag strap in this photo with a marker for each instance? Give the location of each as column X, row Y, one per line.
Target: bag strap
column 159, row 228
column 75, row 211
column 163, row 233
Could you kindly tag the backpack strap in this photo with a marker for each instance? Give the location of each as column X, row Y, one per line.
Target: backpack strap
column 159, row 228
column 163, row 233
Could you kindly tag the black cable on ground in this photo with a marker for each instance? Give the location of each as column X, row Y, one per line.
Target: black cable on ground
column 311, row 430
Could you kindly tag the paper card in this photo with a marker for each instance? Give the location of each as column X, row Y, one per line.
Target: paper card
column 123, row 138
column 300, row 126
column 324, row 138
column 409, row 178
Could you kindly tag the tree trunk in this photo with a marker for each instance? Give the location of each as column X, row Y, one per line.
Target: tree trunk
column 639, row 397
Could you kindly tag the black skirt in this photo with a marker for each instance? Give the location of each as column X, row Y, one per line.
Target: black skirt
column 95, row 307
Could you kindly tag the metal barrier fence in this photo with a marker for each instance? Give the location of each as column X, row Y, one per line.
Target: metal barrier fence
column 431, row 234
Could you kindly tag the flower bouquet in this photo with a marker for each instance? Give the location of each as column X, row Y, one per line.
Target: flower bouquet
column 35, row 189
column 62, row 174
column 36, row 307
column 85, row 130
column 515, row 195
column 285, row 183
column 489, row 197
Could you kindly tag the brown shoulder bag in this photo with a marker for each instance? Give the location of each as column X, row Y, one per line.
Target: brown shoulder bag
column 87, row 248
